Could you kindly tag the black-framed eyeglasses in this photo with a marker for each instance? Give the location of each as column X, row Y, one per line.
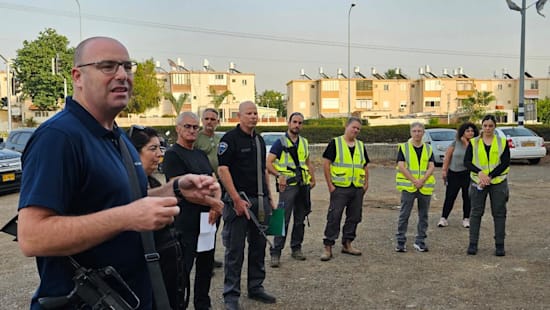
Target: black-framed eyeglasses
column 189, row 126
column 135, row 128
column 111, row 66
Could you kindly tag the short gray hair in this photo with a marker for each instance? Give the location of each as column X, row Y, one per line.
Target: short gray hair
column 417, row 124
column 186, row 114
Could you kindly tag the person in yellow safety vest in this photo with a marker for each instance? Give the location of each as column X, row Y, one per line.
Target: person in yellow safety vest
column 415, row 180
column 488, row 159
column 294, row 179
column 345, row 168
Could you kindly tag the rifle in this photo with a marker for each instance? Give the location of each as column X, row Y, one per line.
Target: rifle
column 92, row 290
column 261, row 228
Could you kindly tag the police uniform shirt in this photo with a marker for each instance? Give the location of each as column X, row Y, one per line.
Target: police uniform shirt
column 238, row 151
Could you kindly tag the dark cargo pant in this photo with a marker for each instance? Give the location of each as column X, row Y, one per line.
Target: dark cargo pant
column 351, row 199
column 499, row 196
column 236, row 230
column 289, row 200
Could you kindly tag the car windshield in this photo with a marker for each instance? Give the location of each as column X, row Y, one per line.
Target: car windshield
column 442, row 135
column 270, row 139
column 517, row 132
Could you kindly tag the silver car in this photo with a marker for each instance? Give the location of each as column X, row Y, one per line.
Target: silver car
column 523, row 143
column 439, row 139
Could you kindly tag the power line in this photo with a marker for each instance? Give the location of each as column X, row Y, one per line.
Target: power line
column 265, row 37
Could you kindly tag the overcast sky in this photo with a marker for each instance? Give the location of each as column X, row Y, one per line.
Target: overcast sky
column 275, row 39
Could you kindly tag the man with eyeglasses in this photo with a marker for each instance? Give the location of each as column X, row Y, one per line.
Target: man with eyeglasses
column 180, row 159
column 207, row 141
column 288, row 160
column 241, row 155
column 76, row 194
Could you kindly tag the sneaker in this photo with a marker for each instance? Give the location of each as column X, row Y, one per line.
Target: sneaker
column 420, row 247
column 401, row 247
column 275, row 261
column 443, row 222
column 298, row 255
column 472, row 249
column 466, row 223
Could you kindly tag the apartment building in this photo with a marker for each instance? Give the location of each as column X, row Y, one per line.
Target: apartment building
column 428, row 96
column 202, row 85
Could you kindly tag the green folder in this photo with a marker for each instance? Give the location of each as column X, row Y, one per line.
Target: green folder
column 277, row 222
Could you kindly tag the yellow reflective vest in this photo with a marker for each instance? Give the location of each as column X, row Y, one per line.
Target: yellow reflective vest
column 488, row 164
column 417, row 170
column 348, row 169
column 286, row 165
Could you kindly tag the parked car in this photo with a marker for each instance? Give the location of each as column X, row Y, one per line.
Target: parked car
column 18, row 138
column 10, row 170
column 523, row 143
column 270, row 138
column 439, row 139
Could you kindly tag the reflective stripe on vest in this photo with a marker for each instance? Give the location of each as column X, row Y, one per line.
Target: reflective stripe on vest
column 348, row 169
column 485, row 162
column 285, row 164
column 415, row 169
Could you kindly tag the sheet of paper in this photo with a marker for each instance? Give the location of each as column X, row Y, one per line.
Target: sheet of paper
column 207, row 234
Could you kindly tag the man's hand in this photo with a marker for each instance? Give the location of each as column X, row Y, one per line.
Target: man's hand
column 241, row 207
column 282, row 183
column 331, row 187
column 151, row 213
column 213, row 216
column 200, row 189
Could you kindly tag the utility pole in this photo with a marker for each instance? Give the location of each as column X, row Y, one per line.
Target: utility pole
column 8, row 89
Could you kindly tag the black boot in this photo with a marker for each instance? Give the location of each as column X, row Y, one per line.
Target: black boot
column 472, row 249
column 499, row 250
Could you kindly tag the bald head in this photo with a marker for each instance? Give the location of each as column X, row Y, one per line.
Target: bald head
column 246, row 105
column 83, row 48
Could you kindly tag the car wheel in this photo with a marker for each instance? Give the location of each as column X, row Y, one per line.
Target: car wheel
column 534, row 161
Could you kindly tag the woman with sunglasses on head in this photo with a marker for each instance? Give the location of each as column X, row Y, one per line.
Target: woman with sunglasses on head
column 456, row 176
column 488, row 159
column 147, row 143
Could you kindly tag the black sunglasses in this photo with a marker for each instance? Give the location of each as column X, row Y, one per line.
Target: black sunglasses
column 189, row 126
column 136, row 128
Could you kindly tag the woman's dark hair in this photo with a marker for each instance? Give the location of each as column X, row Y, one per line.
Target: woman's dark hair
column 140, row 136
column 489, row 117
column 463, row 128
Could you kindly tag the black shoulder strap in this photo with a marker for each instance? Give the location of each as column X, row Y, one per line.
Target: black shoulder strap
column 151, row 255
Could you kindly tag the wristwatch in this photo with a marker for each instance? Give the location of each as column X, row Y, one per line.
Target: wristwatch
column 176, row 187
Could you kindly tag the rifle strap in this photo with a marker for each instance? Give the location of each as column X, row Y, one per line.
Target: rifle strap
column 151, row 255
column 261, row 211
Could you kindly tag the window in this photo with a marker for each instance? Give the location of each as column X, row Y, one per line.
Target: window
column 464, row 85
column 499, row 86
column 386, row 87
column 219, row 77
column 534, row 84
column 363, row 85
column 361, row 103
column 233, row 80
column 403, row 104
column 330, row 85
column 330, row 103
column 432, row 85
column 431, row 103
column 244, row 82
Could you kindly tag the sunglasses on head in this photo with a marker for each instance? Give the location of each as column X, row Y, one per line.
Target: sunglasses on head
column 135, row 128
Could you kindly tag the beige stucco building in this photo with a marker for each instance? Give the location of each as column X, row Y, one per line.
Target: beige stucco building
column 429, row 96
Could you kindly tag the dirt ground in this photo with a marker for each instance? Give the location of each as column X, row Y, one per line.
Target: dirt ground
column 443, row 278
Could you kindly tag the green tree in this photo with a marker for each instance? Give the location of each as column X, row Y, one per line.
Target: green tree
column 390, row 74
column 147, row 90
column 475, row 106
column 272, row 99
column 543, row 111
column 177, row 104
column 33, row 66
column 217, row 99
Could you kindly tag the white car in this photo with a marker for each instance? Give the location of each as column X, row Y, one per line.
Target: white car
column 523, row 143
column 270, row 138
column 439, row 139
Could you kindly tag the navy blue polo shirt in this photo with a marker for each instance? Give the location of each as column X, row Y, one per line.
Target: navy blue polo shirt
column 238, row 151
column 72, row 165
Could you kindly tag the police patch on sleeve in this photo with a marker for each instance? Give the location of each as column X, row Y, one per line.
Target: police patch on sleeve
column 222, row 147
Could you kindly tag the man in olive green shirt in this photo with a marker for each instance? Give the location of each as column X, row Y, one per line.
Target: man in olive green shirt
column 207, row 141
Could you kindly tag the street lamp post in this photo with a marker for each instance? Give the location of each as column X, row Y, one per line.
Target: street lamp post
column 349, row 59
column 79, row 19
column 8, row 89
column 523, row 10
